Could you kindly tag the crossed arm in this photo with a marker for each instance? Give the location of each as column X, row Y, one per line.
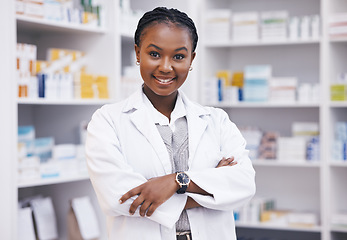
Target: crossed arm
column 158, row 190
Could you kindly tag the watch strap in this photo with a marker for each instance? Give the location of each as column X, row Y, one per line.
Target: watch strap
column 182, row 189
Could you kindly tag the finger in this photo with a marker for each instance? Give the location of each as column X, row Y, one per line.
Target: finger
column 139, row 200
column 230, row 160
column 143, row 209
column 129, row 194
column 151, row 209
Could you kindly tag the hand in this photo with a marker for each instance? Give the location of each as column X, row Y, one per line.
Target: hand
column 151, row 194
column 226, row 162
column 191, row 203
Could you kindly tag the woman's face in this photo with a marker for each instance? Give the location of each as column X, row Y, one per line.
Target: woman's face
column 165, row 56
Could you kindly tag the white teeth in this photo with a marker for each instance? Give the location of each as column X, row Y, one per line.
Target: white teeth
column 164, row 80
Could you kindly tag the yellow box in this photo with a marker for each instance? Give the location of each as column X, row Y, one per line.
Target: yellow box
column 237, row 79
column 338, row 92
column 225, row 75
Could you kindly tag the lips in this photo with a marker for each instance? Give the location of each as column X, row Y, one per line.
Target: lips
column 163, row 79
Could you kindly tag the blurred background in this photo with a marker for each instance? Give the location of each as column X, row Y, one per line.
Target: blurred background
column 277, row 67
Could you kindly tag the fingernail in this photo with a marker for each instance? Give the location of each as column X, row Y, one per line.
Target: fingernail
column 120, row 201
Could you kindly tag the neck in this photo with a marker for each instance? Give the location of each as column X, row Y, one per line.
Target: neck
column 164, row 104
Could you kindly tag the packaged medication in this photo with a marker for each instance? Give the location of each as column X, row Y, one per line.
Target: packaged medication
column 305, row 28
column 283, row 89
column 218, row 25
column 34, row 8
column 338, row 92
column 256, row 83
column 293, row 28
column 245, row 27
column 273, row 25
column 337, row 25
column 19, row 6
column 315, row 26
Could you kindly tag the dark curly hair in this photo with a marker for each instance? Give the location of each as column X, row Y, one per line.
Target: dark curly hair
column 165, row 15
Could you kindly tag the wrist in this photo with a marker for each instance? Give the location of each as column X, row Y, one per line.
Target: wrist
column 183, row 181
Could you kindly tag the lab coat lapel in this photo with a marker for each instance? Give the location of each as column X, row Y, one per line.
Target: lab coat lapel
column 143, row 122
column 196, row 125
column 196, row 128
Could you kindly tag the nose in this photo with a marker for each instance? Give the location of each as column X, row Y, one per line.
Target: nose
column 165, row 65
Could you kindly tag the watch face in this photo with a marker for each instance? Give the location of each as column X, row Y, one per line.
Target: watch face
column 183, row 178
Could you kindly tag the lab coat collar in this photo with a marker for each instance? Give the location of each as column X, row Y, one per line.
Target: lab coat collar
column 135, row 101
column 142, row 120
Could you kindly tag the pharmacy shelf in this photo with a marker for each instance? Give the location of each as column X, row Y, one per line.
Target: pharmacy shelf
column 341, row 104
column 281, row 163
column 260, row 43
column 339, row 164
column 339, row 229
column 278, row 227
column 266, row 105
column 43, row 101
column 336, row 40
column 53, row 180
column 25, row 23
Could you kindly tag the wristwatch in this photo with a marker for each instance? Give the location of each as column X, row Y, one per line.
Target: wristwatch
column 183, row 180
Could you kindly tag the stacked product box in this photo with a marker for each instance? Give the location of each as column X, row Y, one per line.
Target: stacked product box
column 340, row 143
column 264, row 211
column 302, row 146
column 338, row 25
column 89, row 13
column 42, row 158
column 26, row 69
column 273, row 26
column 245, row 27
column 62, row 76
column 338, row 89
column 218, row 25
column 256, row 83
column 283, row 89
column 253, row 136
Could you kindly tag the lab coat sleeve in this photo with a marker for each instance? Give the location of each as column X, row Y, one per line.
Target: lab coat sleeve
column 112, row 177
column 231, row 186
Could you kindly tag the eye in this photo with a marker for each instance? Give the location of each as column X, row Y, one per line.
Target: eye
column 154, row 54
column 179, row 56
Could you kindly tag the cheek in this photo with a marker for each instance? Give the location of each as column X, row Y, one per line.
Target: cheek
column 182, row 71
column 146, row 67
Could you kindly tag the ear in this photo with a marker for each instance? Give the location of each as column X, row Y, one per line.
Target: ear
column 193, row 56
column 137, row 52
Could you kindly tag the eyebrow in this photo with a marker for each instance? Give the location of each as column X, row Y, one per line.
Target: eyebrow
column 178, row 49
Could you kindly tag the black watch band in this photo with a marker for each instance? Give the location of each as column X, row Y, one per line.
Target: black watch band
column 182, row 189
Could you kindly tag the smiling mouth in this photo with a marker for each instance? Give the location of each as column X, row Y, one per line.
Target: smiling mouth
column 164, row 80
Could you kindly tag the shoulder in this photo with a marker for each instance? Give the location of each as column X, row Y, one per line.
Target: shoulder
column 126, row 105
column 205, row 112
column 111, row 109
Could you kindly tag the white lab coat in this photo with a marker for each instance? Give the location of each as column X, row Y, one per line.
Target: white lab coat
column 124, row 149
